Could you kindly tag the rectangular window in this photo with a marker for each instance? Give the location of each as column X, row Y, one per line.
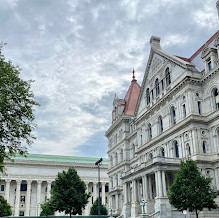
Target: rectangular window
column 23, row 187
column 184, row 110
column 106, row 188
column 21, row 213
column 2, row 188
column 199, row 108
column 152, row 94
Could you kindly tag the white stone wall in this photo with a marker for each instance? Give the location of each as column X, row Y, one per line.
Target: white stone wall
column 150, row 164
column 39, row 177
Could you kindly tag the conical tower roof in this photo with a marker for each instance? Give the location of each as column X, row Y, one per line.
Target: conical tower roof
column 131, row 96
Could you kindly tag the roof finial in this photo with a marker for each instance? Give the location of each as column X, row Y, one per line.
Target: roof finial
column 133, row 77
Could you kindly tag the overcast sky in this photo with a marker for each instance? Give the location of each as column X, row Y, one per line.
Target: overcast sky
column 81, row 52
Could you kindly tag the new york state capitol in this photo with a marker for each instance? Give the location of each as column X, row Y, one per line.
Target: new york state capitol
column 173, row 115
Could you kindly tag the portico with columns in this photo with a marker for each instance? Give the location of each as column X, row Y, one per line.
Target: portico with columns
column 28, row 181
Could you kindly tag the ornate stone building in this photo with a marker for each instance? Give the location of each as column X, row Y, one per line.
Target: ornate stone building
column 173, row 116
column 28, row 181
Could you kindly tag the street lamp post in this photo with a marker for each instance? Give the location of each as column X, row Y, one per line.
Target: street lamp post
column 98, row 163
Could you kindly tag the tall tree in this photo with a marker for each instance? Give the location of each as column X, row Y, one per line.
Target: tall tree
column 5, row 208
column 190, row 190
column 16, row 111
column 69, row 193
column 94, row 209
column 47, row 208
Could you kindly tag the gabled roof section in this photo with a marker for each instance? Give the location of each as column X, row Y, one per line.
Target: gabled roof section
column 156, row 48
column 131, row 96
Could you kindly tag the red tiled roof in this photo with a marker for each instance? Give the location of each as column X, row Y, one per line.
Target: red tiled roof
column 200, row 49
column 184, row 59
column 131, row 97
column 207, row 43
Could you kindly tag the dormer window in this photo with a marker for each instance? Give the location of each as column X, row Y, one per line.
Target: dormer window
column 209, row 55
column 209, row 64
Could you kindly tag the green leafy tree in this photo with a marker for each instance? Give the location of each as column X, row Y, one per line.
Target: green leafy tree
column 190, row 190
column 94, row 209
column 69, row 193
column 5, row 207
column 16, row 111
column 47, row 208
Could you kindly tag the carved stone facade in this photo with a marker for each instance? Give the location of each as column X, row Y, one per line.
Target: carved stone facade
column 28, row 181
column 176, row 117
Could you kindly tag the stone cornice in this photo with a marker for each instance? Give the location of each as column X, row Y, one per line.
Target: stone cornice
column 117, row 123
column 52, row 163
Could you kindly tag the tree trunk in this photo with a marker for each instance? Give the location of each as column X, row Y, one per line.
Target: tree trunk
column 196, row 212
column 70, row 213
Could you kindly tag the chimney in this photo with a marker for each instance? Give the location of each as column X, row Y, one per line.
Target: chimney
column 155, row 42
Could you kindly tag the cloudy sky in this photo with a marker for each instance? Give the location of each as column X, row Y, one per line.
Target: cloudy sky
column 81, row 52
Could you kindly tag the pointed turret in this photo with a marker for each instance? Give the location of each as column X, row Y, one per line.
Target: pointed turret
column 131, row 96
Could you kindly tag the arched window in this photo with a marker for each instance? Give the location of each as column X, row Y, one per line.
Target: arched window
column 121, row 154
column 162, row 152
column 160, row 123
column 150, row 156
column 116, row 158
column 148, row 95
column 116, row 180
column 157, row 87
column 111, row 182
column 176, row 146
column 111, row 161
column 216, row 98
column 167, row 74
column 149, row 132
column 188, row 149
column 133, row 150
column 173, row 115
column 204, row 147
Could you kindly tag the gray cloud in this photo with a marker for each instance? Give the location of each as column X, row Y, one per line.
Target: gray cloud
column 81, row 52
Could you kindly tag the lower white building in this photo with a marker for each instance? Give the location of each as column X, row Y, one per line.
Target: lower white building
column 28, row 180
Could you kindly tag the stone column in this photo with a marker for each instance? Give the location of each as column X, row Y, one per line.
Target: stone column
column 117, row 202
column 7, row 190
column 17, row 201
column 103, row 193
column 156, row 184
column 49, row 183
column 134, row 191
column 95, row 191
column 145, row 187
column 164, row 184
column 87, row 207
column 159, row 183
column 125, row 193
column 27, row 208
column 150, row 187
column 38, row 196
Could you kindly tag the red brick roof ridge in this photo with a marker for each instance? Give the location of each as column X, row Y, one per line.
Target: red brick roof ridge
column 199, row 50
column 207, row 43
